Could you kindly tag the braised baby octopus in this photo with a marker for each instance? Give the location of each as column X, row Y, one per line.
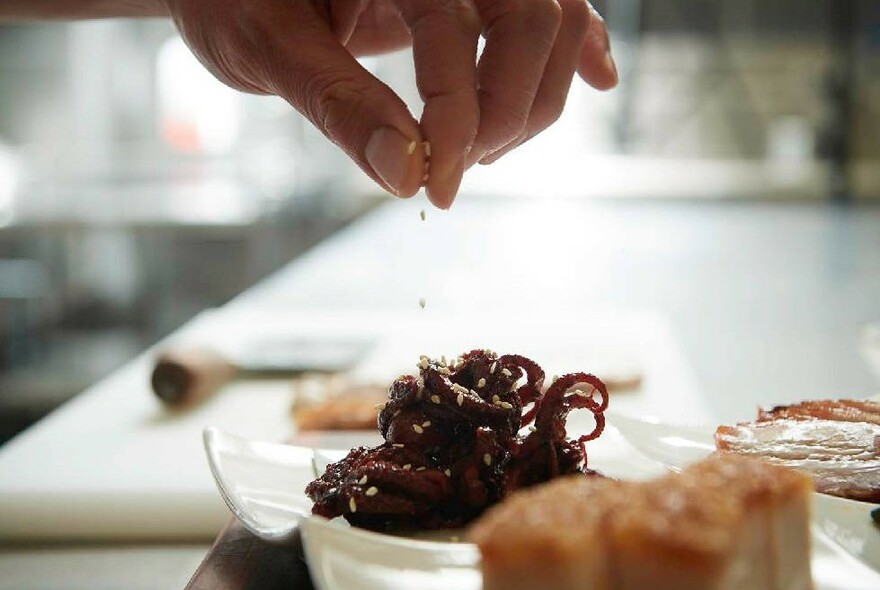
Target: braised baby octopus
column 453, row 445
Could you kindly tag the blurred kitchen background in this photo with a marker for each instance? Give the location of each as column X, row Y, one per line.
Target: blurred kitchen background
column 136, row 191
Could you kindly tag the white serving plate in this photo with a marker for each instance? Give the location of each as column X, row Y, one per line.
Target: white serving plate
column 262, row 483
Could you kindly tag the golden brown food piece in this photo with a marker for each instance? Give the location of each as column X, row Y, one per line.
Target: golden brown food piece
column 725, row 523
column 333, row 403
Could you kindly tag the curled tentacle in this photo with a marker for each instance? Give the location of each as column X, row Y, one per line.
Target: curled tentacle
column 453, row 446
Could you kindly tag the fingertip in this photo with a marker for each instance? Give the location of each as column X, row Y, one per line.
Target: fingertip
column 397, row 159
column 442, row 190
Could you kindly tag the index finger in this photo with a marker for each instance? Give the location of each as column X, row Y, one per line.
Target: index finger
column 445, row 34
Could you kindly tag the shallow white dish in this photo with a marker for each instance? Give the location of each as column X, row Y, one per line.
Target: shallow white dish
column 262, row 483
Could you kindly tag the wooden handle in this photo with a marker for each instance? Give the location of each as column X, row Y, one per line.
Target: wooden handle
column 185, row 377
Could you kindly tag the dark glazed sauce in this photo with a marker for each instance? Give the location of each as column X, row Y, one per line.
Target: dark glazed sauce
column 452, row 444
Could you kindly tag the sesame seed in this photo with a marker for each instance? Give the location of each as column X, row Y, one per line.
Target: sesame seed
column 372, row 491
column 555, row 378
column 418, row 429
column 435, row 399
column 472, row 392
column 533, row 428
column 581, row 393
column 422, row 302
column 407, row 467
column 420, row 468
column 506, row 405
column 443, row 359
column 481, row 382
column 397, row 445
column 426, row 423
column 352, row 505
column 507, row 372
column 363, row 480
column 495, row 399
column 411, row 148
column 493, row 367
column 423, row 363
column 460, row 399
column 447, row 472
column 444, row 371
column 487, row 459
column 422, row 214
column 379, row 406
column 427, row 146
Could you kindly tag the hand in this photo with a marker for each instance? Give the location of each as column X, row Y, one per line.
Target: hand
column 304, row 51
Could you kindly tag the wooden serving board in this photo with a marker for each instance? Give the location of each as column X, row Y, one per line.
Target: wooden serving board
column 240, row 561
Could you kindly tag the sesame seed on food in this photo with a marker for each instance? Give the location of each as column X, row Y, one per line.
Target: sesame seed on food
column 407, row 467
column 481, row 382
column 372, row 491
column 487, row 459
column 507, row 372
column 493, row 367
column 435, row 399
column 460, row 399
column 418, row 429
column 352, row 505
column 362, row 480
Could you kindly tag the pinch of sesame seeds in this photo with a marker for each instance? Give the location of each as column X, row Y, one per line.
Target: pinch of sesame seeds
column 362, row 480
column 426, row 423
column 533, row 428
column 422, row 214
column 427, row 146
column 372, row 491
column 397, row 445
column 460, row 399
column 352, row 505
column 493, row 367
column 507, row 372
column 487, row 459
column 435, row 399
column 481, row 382
column 418, row 429
column 447, row 472
column 407, row 467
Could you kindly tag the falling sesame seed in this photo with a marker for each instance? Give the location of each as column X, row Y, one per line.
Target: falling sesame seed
column 507, row 372
column 352, row 505
column 447, row 472
column 481, row 382
column 493, row 367
column 407, row 467
column 460, row 399
column 422, row 214
column 435, row 399
column 426, row 423
column 427, row 146
column 397, row 445
column 411, row 148
column 533, row 428
column 422, row 302
column 372, row 491
column 362, row 480
column 418, row 429
column 487, row 459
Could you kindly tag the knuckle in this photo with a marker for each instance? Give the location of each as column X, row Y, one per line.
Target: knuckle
column 546, row 14
column 334, row 103
column 578, row 11
column 462, row 11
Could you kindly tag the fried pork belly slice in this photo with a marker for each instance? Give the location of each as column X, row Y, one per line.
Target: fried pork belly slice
column 776, row 502
column 726, row 523
column 843, row 458
column 839, row 410
column 550, row 536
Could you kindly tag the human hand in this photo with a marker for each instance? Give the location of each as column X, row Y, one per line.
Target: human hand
column 304, row 51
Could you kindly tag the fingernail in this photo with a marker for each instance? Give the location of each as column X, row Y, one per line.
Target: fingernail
column 610, row 65
column 389, row 152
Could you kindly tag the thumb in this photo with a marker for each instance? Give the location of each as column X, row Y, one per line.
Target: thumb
column 310, row 69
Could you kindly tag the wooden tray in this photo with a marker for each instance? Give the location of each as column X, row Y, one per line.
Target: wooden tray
column 238, row 561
